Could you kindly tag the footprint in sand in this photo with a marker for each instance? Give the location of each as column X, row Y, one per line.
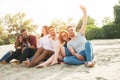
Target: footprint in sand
column 101, row 78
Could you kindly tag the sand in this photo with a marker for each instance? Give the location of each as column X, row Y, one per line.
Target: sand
column 107, row 57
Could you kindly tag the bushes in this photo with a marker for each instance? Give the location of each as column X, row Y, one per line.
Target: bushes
column 109, row 31
column 1, row 42
column 93, row 32
column 7, row 39
column 12, row 41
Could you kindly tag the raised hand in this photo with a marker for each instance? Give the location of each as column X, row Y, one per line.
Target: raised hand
column 83, row 8
column 83, row 27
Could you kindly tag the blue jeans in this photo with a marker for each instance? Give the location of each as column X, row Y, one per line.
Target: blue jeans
column 87, row 54
column 27, row 53
column 5, row 56
column 67, row 52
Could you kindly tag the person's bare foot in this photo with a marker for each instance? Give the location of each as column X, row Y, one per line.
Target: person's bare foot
column 90, row 64
column 61, row 63
column 24, row 63
column 27, row 63
column 41, row 65
column 54, row 62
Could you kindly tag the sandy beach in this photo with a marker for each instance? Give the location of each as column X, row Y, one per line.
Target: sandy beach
column 107, row 58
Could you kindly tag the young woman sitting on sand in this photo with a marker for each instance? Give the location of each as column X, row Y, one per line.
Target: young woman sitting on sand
column 62, row 51
column 46, row 49
column 19, row 46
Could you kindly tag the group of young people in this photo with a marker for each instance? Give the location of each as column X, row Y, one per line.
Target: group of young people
column 67, row 47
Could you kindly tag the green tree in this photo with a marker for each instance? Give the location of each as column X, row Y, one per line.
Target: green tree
column 14, row 23
column 109, row 31
column 117, row 14
column 3, row 35
column 107, row 20
column 10, row 26
column 93, row 32
column 59, row 24
column 90, row 21
column 1, row 31
column 117, row 20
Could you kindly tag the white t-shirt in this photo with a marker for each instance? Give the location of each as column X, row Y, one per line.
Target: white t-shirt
column 55, row 43
column 78, row 44
column 45, row 42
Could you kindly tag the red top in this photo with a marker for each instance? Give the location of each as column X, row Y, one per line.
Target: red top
column 33, row 40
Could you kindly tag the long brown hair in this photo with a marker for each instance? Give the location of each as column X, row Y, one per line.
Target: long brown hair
column 18, row 43
column 46, row 29
column 60, row 36
column 17, row 38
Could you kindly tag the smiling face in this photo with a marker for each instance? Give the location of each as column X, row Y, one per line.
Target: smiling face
column 52, row 31
column 70, row 31
column 19, row 38
column 63, row 36
column 24, row 33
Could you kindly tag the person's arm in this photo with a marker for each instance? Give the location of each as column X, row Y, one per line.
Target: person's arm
column 17, row 46
column 70, row 48
column 72, row 51
column 80, row 57
column 84, row 23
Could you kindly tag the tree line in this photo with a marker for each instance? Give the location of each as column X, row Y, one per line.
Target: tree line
column 109, row 30
column 10, row 26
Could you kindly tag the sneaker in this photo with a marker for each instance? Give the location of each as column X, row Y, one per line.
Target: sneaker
column 15, row 62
